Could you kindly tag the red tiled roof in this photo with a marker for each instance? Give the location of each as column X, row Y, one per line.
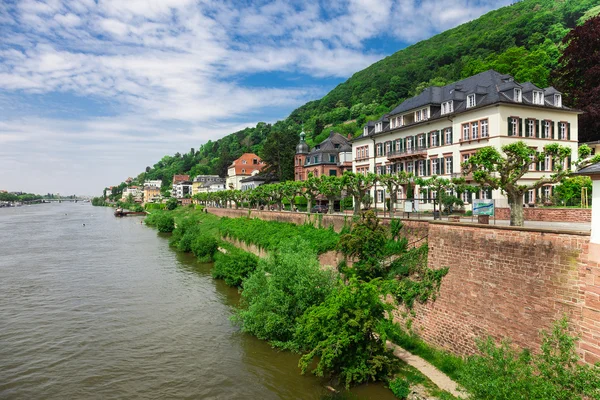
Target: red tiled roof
column 249, row 166
column 179, row 178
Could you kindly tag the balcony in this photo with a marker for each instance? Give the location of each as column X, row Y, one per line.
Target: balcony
column 468, row 177
column 415, row 152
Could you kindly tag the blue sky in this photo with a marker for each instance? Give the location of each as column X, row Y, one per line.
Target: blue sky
column 93, row 91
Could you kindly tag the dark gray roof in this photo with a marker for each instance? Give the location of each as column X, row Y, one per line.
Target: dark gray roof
column 489, row 87
column 333, row 145
column 268, row 178
column 593, row 169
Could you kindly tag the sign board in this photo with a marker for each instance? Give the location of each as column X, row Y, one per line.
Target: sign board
column 483, row 207
column 408, row 206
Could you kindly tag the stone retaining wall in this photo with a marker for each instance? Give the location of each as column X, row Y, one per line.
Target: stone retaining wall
column 550, row 214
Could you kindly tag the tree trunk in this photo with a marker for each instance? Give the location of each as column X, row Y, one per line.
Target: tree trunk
column 516, row 209
column 356, row 204
column 330, row 210
column 392, row 202
column 308, row 204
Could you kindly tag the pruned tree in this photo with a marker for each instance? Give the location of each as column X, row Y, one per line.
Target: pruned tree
column 290, row 190
column 504, row 172
column 311, row 190
column 357, row 186
column 393, row 183
column 331, row 188
column 440, row 186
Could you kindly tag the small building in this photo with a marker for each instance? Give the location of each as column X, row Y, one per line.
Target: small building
column 151, row 194
column 208, row 183
column 254, row 181
column 185, row 201
column 331, row 157
column 247, row 165
column 154, row 183
column 133, row 191
column 182, row 186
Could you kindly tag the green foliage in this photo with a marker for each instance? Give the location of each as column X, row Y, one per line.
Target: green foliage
column 234, row 267
column 204, row 247
column 171, row 204
column 154, row 206
column 400, row 387
column 340, row 334
column 511, row 374
column 568, row 192
column 271, row 235
column 97, row 201
column 284, row 285
column 163, row 221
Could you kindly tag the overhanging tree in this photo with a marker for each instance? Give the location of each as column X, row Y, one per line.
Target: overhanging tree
column 393, row 183
column 492, row 169
column 357, row 186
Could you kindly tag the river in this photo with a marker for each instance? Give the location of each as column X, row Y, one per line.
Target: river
column 98, row 307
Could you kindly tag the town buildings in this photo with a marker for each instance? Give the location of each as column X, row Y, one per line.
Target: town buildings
column 247, row 165
column 208, row 184
column 182, row 186
column 434, row 132
column 134, row 191
column 154, row 183
column 331, row 157
column 151, row 193
column 254, row 181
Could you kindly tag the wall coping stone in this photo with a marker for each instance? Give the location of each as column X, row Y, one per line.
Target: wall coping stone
column 512, row 228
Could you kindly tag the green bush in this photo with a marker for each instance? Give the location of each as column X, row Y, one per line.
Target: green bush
column 204, row 247
column 154, row 206
column 284, row 285
column 555, row 373
column 400, row 387
column 165, row 223
column 234, row 267
column 171, row 204
column 339, row 334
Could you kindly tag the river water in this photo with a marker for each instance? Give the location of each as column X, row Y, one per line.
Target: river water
column 107, row 310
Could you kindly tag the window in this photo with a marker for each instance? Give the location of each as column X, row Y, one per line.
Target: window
column 400, row 167
column 425, row 113
column 332, row 158
column 380, row 196
column 315, row 159
column 366, row 130
column 485, row 194
column 466, row 157
column 538, row 97
column 557, row 100
column 378, row 170
column 518, row 96
column 418, row 116
column 448, row 135
column 333, row 172
column 547, row 130
column 388, row 147
column 243, row 161
column 410, row 167
column 484, row 128
column 531, row 196
column 465, row 131
column 254, row 161
column 471, row 100
column 435, row 165
column 421, row 141
column 421, row 168
column 531, row 128
column 547, row 191
column 514, row 126
column 379, row 127
column 409, row 143
column 548, row 163
column 388, row 169
column 563, row 131
column 448, row 165
column 532, row 165
column 397, row 145
column 447, row 107
column 243, row 171
column 474, row 130
column 433, row 142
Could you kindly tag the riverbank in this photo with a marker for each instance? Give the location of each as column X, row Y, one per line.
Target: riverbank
column 406, row 293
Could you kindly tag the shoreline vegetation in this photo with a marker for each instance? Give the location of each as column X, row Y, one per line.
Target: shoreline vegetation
column 337, row 321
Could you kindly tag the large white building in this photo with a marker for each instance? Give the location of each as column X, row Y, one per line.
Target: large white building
column 434, row 132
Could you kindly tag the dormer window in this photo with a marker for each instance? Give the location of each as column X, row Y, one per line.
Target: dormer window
column 518, row 95
column 366, row 130
column 379, row 127
column 418, row 115
column 557, row 100
column 471, row 100
column 447, row 107
column 243, row 161
column 538, row 97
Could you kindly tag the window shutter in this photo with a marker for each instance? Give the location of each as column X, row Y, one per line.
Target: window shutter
column 442, row 162
column 451, row 165
column 489, row 193
column 568, row 131
column 537, row 130
column 509, row 126
column 538, row 195
column 427, row 167
column 569, row 163
column 427, row 140
column 470, row 197
column 526, row 197
column 520, row 126
column 441, row 137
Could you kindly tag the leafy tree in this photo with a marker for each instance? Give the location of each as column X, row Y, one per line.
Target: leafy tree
column 393, row 183
column 568, row 192
column 357, row 186
column 340, row 334
column 279, row 150
column 578, row 76
column 492, row 169
column 331, row 188
column 311, row 190
column 172, row 204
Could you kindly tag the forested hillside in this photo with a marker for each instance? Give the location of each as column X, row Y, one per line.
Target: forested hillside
column 523, row 39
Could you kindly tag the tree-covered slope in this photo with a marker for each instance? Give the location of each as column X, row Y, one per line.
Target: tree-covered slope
column 523, row 39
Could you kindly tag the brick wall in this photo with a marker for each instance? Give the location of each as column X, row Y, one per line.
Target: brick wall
column 507, row 282
column 550, row 214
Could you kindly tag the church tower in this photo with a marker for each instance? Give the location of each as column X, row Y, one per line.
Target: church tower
column 302, row 151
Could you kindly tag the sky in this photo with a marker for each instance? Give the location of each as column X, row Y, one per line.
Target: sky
column 93, row 91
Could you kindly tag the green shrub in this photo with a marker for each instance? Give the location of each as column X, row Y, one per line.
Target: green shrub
column 154, row 206
column 171, row 204
column 204, row 247
column 165, row 223
column 284, row 285
column 555, row 373
column 400, row 387
column 340, row 334
column 234, row 267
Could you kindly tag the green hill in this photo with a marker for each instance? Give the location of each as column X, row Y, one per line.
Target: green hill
column 522, row 40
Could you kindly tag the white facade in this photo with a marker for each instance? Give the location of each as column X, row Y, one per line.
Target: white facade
column 155, row 183
column 180, row 190
column 439, row 146
column 134, row 191
column 210, row 187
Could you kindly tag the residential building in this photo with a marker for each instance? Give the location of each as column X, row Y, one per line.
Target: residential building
column 331, row 157
column 182, row 186
column 595, row 146
column 155, row 183
column 207, row 184
column 255, row 181
column 134, row 191
column 434, row 132
column 151, row 194
column 247, row 165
